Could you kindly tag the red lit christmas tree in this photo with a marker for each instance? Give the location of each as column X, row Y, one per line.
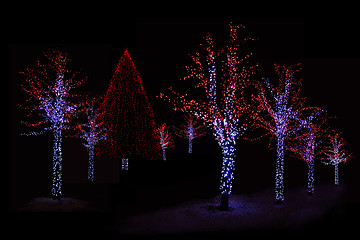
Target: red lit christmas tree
column 127, row 111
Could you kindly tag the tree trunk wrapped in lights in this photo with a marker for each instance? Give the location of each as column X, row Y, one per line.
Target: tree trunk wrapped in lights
column 225, row 110
column 48, row 86
column 277, row 112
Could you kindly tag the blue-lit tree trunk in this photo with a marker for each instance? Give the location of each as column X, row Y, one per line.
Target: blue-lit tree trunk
column 310, row 153
column 57, row 166
column 190, row 145
column 310, row 165
column 336, row 174
column 279, row 172
column 164, row 154
column 228, row 167
column 91, row 164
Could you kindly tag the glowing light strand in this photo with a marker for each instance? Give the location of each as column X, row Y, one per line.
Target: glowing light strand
column 52, row 102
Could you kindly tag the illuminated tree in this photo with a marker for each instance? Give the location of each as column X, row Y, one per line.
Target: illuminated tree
column 305, row 144
column 277, row 112
column 336, row 153
column 225, row 110
column 191, row 130
column 48, row 85
column 166, row 140
column 129, row 116
column 92, row 132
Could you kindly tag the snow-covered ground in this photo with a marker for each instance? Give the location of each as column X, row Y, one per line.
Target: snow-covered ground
column 248, row 211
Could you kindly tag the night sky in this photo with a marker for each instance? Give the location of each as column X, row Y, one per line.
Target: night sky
column 159, row 48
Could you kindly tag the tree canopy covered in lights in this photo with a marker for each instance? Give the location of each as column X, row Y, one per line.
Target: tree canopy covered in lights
column 48, row 86
column 127, row 112
column 223, row 75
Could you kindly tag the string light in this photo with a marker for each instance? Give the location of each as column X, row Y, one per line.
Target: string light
column 225, row 111
column 49, row 85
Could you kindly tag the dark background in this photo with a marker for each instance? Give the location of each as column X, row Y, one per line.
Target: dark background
column 159, row 48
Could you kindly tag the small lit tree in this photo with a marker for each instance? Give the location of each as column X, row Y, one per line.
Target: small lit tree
column 336, row 153
column 191, row 129
column 48, row 85
column 166, row 140
column 92, row 132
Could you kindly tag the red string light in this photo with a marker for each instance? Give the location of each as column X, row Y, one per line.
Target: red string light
column 129, row 115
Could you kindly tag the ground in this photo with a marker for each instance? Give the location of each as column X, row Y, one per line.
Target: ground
column 66, row 204
column 326, row 211
column 247, row 212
